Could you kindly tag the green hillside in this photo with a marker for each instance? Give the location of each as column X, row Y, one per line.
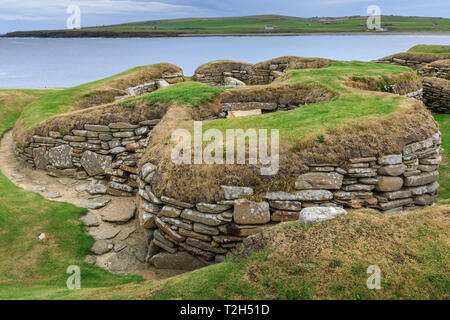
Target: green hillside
column 248, row 25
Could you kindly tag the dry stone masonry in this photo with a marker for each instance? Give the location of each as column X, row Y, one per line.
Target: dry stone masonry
column 436, row 94
column 437, row 69
column 185, row 235
column 102, row 152
column 210, row 231
column 155, row 85
column 218, row 73
column 411, row 60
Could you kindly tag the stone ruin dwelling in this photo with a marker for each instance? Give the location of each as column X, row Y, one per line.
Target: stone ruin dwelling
column 118, row 146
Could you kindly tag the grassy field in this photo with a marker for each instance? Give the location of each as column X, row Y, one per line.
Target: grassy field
column 444, row 191
column 33, row 269
column 282, row 24
column 430, row 49
column 253, row 24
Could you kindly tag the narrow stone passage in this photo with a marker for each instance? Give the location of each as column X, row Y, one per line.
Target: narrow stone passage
column 121, row 245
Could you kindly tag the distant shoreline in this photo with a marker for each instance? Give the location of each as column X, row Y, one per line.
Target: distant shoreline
column 71, row 35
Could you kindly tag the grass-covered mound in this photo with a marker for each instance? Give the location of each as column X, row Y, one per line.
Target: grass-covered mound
column 35, row 117
column 133, row 110
column 440, row 64
column 436, row 49
column 411, row 248
column 33, row 269
column 91, row 94
column 325, row 261
column 294, row 63
column 420, row 55
column 337, row 118
column 349, row 123
column 12, row 103
column 219, row 66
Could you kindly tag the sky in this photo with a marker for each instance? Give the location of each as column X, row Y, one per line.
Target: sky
column 52, row 14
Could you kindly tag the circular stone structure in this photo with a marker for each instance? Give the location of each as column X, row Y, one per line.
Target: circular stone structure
column 344, row 138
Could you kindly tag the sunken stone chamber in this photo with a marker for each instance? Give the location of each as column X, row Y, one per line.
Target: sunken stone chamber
column 210, row 231
column 103, row 152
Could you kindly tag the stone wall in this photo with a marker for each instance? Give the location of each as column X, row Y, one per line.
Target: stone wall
column 249, row 75
column 413, row 60
column 437, row 69
column 211, row 230
column 436, row 89
column 103, row 152
column 267, row 73
column 215, row 73
column 149, row 87
column 436, row 94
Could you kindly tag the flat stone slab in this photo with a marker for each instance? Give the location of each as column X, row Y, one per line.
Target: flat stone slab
column 305, row 195
column 107, row 234
column 233, row 193
column 243, row 113
column 61, row 156
column 81, row 188
column 121, row 261
column 16, row 177
column 389, row 184
column 319, row 180
column 205, row 218
column 119, row 211
column 102, row 246
column 96, row 189
column 286, row 205
column 422, row 179
column 94, row 163
column 212, row 208
column 319, row 214
column 177, row 261
column 38, row 189
column 90, row 220
column 98, row 203
column 250, row 212
column 52, row 195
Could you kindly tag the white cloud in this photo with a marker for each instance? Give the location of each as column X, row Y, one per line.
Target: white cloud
column 14, row 17
column 51, row 9
column 340, row 2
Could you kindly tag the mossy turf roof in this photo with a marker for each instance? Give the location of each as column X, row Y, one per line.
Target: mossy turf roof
column 343, row 118
column 437, row 49
column 316, row 119
column 90, row 94
column 293, row 265
column 189, row 94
